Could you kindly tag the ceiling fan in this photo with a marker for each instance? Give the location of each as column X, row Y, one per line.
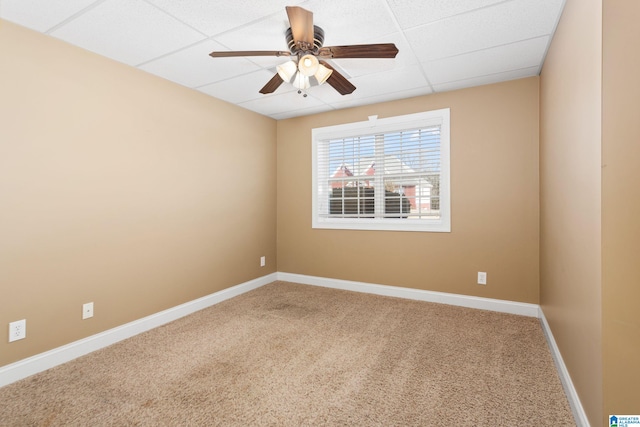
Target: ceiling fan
column 308, row 56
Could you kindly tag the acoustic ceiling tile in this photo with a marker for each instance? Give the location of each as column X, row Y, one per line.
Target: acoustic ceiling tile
column 484, row 80
column 327, row 94
column 353, row 21
column 282, row 102
column 139, row 34
column 304, row 109
column 503, row 23
column 268, row 62
column 413, row 13
column 242, row 88
column 265, row 34
column 388, row 82
column 216, row 17
column 515, row 56
column 391, row 96
column 41, row 15
column 376, row 88
column 194, row 67
column 302, row 112
column 360, row 67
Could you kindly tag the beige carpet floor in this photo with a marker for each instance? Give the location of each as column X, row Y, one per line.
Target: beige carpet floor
column 295, row 355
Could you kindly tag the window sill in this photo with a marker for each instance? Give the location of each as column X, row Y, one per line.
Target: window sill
column 434, row 226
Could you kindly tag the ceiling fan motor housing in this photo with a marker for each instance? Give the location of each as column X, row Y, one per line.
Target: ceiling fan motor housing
column 300, row 47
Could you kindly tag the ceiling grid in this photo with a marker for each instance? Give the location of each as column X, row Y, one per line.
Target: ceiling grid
column 443, row 45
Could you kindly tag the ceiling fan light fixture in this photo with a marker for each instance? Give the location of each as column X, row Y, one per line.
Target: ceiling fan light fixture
column 306, row 44
column 322, row 74
column 301, row 82
column 308, row 65
column 287, row 70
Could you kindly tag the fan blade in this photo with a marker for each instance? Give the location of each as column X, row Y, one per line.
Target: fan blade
column 338, row 81
column 272, row 84
column 301, row 21
column 382, row 50
column 233, row 53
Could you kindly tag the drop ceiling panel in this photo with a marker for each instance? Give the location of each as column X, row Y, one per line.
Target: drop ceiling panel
column 215, row 17
column 265, row 34
column 383, row 98
column 281, row 103
column 389, row 82
column 241, row 88
column 314, row 103
column 360, row 67
column 327, row 94
column 193, row 67
column 509, row 57
column 415, row 13
column 353, row 21
column 500, row 24
column 301, row 112
column 139, row 34
column 41, row 15
column 488, row 79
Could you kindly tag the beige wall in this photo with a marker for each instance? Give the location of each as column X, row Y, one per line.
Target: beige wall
column 621, row 207
column 120, row 188
column 570, row 242
column 110, row 192
column 494, row 187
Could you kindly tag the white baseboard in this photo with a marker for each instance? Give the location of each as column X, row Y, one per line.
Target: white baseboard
column 43, row 361
column 579, row 415
column 503, row 306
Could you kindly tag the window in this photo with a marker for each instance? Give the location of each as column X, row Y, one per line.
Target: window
column 383, row 174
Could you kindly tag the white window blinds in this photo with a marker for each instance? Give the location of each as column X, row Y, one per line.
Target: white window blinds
column 388, row 176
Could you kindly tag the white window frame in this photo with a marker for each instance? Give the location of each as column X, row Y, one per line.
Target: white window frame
column 386, row 125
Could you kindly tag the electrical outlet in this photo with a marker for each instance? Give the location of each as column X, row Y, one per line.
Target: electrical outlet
column 87, row 310
column 17, row 330
column 482, row 278
column 263, row 261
